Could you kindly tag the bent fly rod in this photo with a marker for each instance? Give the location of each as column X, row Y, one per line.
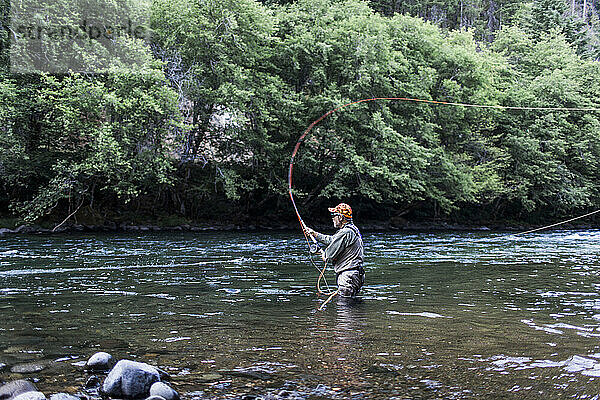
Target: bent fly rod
column 313, row 245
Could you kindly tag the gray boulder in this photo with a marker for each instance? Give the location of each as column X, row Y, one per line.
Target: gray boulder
column 15, row 388
column 163, row 390
column 30, row 396
column 63, row 396
column 130, row 379
column 29, row 368
column 100, row 361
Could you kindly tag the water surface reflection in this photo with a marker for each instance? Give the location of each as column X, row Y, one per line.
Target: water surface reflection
column 442, row 315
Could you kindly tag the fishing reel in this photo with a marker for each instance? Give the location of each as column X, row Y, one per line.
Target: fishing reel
column 314, row 248
column 313, row 245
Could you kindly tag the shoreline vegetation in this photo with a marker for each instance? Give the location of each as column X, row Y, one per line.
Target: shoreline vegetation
column 257, row 225
column 202, row 125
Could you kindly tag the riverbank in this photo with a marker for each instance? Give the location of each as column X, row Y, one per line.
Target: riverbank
column 208, row 226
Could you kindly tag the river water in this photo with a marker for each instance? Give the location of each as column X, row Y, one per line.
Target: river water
column 443, row 315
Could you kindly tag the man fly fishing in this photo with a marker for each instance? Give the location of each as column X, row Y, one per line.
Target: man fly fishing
column 344, row 250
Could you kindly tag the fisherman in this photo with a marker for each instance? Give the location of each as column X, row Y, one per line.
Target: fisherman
column 344, row 250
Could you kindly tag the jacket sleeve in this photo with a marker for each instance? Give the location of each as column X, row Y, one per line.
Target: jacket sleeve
column 324, row 239
column 338, row 243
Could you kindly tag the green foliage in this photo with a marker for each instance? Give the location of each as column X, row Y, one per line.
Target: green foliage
column 547, row 149
column 239, row 110
column 4, row 37
column 77, row 137
column 388, row 152
column 240, row 82
column 541, row 18
column 486, row 17
column 65, row 36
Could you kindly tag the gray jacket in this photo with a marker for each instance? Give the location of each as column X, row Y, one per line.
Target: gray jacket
column 344, row 248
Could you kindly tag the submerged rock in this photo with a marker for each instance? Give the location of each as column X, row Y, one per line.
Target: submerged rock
column 254, row 372
column 63, row 396
column 210, row 377
column 30, row 396
column 28, row 368
column 118, row 344
column 384, row 369
column 130, row 379
column 15, row 388
column 100, row 361
column 163, row 390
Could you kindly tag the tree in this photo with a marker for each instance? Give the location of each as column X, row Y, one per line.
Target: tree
column 4, row 37
column 239, row 109
column 392, row 153
column 550, row 152
column 70, row 139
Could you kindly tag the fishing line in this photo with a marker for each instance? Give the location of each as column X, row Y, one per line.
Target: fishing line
column 558, row 223
column 519, row 233
column 414, row 100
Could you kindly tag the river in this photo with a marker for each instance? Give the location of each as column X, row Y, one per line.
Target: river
column 442, row 315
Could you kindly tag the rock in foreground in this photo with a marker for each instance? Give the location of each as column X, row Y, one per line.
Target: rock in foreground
column 63, row 396
column 30, row 396
column 163, row 390
column 15, row 388
column 130, row 379
column 100, row 361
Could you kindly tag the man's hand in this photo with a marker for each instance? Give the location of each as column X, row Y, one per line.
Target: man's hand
column 310, row 232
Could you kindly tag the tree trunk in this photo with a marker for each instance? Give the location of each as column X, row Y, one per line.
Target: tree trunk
column 493, row 23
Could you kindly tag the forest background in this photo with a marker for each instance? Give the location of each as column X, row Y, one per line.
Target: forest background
column 201, row 127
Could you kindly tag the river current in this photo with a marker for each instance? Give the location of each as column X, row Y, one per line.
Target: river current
column 235, row 315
